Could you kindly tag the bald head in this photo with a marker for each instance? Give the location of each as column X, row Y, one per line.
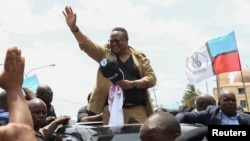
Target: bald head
column 203, row 101
column 36, row 102
column 160, row 126
column 38, row 112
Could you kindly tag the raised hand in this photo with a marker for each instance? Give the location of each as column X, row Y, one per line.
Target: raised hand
column 70, row 17
column 11, row 77
column 20, row 126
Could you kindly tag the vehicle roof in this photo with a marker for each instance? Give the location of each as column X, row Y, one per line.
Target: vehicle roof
column 95, row 131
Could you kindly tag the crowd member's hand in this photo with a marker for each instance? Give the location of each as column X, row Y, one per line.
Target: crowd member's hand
column 97, row 117
column 20, row 126
column 28, row 94
column 49, row 119
column 62, row 119
column 70, row 17
column 11, row 78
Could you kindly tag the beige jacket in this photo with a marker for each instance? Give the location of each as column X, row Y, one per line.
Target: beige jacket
column 100, row 91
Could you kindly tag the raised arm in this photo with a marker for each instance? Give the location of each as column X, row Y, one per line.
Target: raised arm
column 70, row 18
column 20, row 125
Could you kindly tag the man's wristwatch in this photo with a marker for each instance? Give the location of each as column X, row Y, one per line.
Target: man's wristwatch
column 75, row 30
column 134, row 84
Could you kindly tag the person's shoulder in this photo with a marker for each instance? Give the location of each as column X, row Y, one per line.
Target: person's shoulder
column 212, row 107
column 83, row 109
column 244, row 114
column 245, row 117
column 136, row 51
column 51, row 107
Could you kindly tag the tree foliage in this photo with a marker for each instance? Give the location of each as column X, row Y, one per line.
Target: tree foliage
column 189, row 96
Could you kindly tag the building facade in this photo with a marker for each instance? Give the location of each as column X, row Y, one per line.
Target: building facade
column 240, row 86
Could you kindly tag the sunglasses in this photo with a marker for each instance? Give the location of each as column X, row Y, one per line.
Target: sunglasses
column 114, row 40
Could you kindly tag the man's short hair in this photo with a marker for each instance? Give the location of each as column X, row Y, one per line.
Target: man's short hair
column 125, row 33
column 3, row 100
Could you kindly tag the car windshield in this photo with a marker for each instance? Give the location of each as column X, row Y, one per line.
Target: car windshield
column 116, row 133
column 97, row 132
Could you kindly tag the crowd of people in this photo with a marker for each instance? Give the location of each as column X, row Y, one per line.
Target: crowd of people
column 24, row 116
column 123, row 79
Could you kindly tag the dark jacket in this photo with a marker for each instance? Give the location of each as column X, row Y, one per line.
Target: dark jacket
column 210, row 116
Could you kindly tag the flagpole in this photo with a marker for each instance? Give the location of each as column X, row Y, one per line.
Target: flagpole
column 244, row 86
column 207, row 87
column 218, row 84
column 243, row 81
column 155, row 97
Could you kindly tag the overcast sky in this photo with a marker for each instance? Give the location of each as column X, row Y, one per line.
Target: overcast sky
column 167, row 31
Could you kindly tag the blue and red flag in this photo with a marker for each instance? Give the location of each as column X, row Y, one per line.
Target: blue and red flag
column 217, row 56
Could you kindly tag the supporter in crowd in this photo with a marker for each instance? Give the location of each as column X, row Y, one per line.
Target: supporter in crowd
column 84, row 115
column 38, row 111
column 138, row 73
column 4, row 113
column 97, row 117
column 83, row 111
column 160, row 126
column 203, row 101
column 20, row 126
column 224, row 114
column 45, row 93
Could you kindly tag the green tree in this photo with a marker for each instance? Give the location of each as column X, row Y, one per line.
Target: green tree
column 190, row 95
